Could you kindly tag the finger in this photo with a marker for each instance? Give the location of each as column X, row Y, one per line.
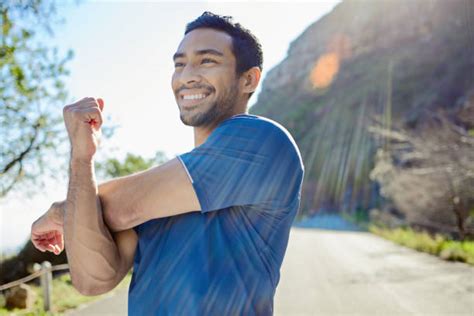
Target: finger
column 51, row 248
column 56, row 250
column 41, row 246
column 87, row 104
column 101, row 103
column 83, row 100
column 87, row 113
column 59, row 241
column 91, row 116
column 86, row 99
column 42, row 238
column 45, row 235
column 37, row 245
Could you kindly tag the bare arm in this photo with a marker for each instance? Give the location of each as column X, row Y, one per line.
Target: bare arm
column 47, row 234
column 161, row 191
column 97, row 261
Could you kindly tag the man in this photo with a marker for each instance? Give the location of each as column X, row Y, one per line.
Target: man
column 205, row 232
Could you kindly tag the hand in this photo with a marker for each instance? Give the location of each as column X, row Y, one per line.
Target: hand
column 83, row 120
column 47, row 231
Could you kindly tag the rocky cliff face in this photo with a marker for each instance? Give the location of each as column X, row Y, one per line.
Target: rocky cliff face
column 388, row 61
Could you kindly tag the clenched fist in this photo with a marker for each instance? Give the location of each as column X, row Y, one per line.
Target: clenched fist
column 47, row 233
column 83, row 120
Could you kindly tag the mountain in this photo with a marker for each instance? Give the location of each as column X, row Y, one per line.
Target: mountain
column 367, row 61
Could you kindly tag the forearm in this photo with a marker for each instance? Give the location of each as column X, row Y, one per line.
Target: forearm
column 92, row 254
column 116, row 204
column 161, row 191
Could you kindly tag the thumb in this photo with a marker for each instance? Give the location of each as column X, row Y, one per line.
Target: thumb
column 101, row 103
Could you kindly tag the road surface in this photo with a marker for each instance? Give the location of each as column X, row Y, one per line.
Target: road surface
column 354, row 273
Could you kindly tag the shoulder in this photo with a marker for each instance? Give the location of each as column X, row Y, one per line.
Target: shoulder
column 258, row 135
column 250, row 120
column 255, row 127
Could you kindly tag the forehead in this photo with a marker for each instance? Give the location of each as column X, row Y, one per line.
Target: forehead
column 206, row 38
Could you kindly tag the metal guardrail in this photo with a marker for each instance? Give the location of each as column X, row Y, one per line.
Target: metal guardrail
column 44, row 271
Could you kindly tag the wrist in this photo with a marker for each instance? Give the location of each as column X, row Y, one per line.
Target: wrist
column 80, row 157
column 57, row 211
column 81, row 161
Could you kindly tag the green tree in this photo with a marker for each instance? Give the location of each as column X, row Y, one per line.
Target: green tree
column 17, row 267
column 32, row 91
column 113, row 168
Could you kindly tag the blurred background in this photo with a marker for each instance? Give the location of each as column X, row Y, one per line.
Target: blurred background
column 378, row 94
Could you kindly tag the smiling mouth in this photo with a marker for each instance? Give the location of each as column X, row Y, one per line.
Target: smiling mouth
column 190, row 100
column 194, row 96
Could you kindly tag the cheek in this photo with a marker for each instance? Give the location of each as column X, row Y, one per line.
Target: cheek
column 175, row 81
column 221, row 80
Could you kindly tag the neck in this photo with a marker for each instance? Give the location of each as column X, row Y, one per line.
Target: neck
column 201, row 133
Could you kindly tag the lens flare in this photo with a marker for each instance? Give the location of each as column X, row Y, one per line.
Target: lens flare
column 325, row 70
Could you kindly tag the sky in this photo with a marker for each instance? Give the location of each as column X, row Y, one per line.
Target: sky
column 123, row 54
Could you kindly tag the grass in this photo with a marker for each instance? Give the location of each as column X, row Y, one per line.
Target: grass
column 64, row 297
column 438, row 245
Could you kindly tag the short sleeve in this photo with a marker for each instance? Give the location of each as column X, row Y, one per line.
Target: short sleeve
column 245, row 161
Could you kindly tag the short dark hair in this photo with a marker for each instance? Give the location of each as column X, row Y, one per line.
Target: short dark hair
column 245, row 46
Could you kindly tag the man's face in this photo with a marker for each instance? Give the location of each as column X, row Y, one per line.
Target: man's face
column 204, row 81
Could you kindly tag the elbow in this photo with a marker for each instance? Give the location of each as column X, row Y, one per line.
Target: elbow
column 90, row 291
column 120, row 215
column 118, row 221
column 115, row 223
column 114, row 220
column 91, row 287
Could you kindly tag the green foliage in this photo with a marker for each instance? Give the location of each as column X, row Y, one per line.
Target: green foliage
column 438, row 244
column 113, row 168
column 64, row 297
column 32, row 91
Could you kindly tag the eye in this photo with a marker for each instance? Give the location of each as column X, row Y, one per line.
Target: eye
column 176, row 65
column 207, row 60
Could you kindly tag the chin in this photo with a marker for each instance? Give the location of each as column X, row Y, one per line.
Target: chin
column 189, row 119
column 186, row 121
column 200, row 119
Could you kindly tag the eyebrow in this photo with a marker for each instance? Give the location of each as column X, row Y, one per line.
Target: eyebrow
column 209, row 51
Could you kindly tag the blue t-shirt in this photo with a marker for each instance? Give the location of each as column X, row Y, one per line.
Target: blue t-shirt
column 225, row 259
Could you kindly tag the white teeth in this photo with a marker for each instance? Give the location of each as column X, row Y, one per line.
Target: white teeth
column 194, row 96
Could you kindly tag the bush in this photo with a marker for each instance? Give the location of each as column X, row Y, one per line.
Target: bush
column 437, row 244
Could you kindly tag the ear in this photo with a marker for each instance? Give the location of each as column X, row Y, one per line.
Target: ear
column 250, row 79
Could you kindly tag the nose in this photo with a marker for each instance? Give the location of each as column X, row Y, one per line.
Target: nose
column 189, row 74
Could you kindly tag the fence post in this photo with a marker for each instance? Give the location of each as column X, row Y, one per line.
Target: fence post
column 46, row 280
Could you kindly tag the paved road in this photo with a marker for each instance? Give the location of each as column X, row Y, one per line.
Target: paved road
column 355, row 273
column 113, row 305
